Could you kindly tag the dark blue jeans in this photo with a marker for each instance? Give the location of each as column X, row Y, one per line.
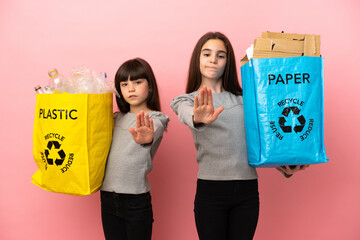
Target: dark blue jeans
column 126, row 216
column 226, row 210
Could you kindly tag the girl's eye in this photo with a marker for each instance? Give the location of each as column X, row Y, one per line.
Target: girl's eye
column 206, row 54
column 138, row 82
column 123, row 84
column 222, row 56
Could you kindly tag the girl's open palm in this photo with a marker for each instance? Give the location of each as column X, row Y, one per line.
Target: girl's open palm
column 204, row 108
column 144, row 132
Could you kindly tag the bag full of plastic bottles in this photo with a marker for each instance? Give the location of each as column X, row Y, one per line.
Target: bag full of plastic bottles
column 72, row 132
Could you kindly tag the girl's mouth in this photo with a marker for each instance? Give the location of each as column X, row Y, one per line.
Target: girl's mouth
column 211, row 68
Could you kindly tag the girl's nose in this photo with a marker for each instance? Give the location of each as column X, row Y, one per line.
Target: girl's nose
column 214, row 59
column 131, row 88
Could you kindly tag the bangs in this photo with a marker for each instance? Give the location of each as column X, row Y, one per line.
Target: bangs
column 133, row 69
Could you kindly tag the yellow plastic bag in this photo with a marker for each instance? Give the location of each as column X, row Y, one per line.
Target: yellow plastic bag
column 71, row 140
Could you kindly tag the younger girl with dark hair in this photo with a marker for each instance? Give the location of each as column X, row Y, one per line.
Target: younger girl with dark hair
column 227, row 200
column 125, row 198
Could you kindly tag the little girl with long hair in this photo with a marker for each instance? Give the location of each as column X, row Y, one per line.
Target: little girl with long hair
column 125, row 198
column 227, row 200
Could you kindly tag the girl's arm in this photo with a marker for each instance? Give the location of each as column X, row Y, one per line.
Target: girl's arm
column 204, row 108
column 144, row 132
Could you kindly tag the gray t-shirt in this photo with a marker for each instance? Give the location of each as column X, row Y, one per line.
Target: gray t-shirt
column 221, row 145
column 129, row 163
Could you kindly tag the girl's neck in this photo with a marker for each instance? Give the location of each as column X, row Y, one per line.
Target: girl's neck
column 214, row 85
column 138, row 109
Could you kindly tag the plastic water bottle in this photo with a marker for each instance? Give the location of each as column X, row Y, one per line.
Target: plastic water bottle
column 38, row 89
column 56, row 79
column 103, row 75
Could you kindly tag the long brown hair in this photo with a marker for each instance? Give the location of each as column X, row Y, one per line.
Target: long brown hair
column 135, row 69
column 230, row 80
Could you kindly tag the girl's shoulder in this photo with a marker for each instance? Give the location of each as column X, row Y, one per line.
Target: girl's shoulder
column 187, row 97
column 119, row 115
column 116, row 114
column 159, row 116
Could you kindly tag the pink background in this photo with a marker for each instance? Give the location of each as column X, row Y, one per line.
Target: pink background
column 319, row 203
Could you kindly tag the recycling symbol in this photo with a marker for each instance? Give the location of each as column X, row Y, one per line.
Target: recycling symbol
column 282, row 120
column 53, row 151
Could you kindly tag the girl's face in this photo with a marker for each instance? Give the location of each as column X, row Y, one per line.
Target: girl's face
column 213, row 59
column 135, row 93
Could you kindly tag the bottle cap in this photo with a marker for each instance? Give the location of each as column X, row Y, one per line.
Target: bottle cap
column 53, row 73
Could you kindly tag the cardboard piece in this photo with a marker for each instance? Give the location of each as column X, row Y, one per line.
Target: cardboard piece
column 280, row 45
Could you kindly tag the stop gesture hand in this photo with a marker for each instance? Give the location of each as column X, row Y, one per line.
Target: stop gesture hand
column 204, row 108
column 144, row 132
